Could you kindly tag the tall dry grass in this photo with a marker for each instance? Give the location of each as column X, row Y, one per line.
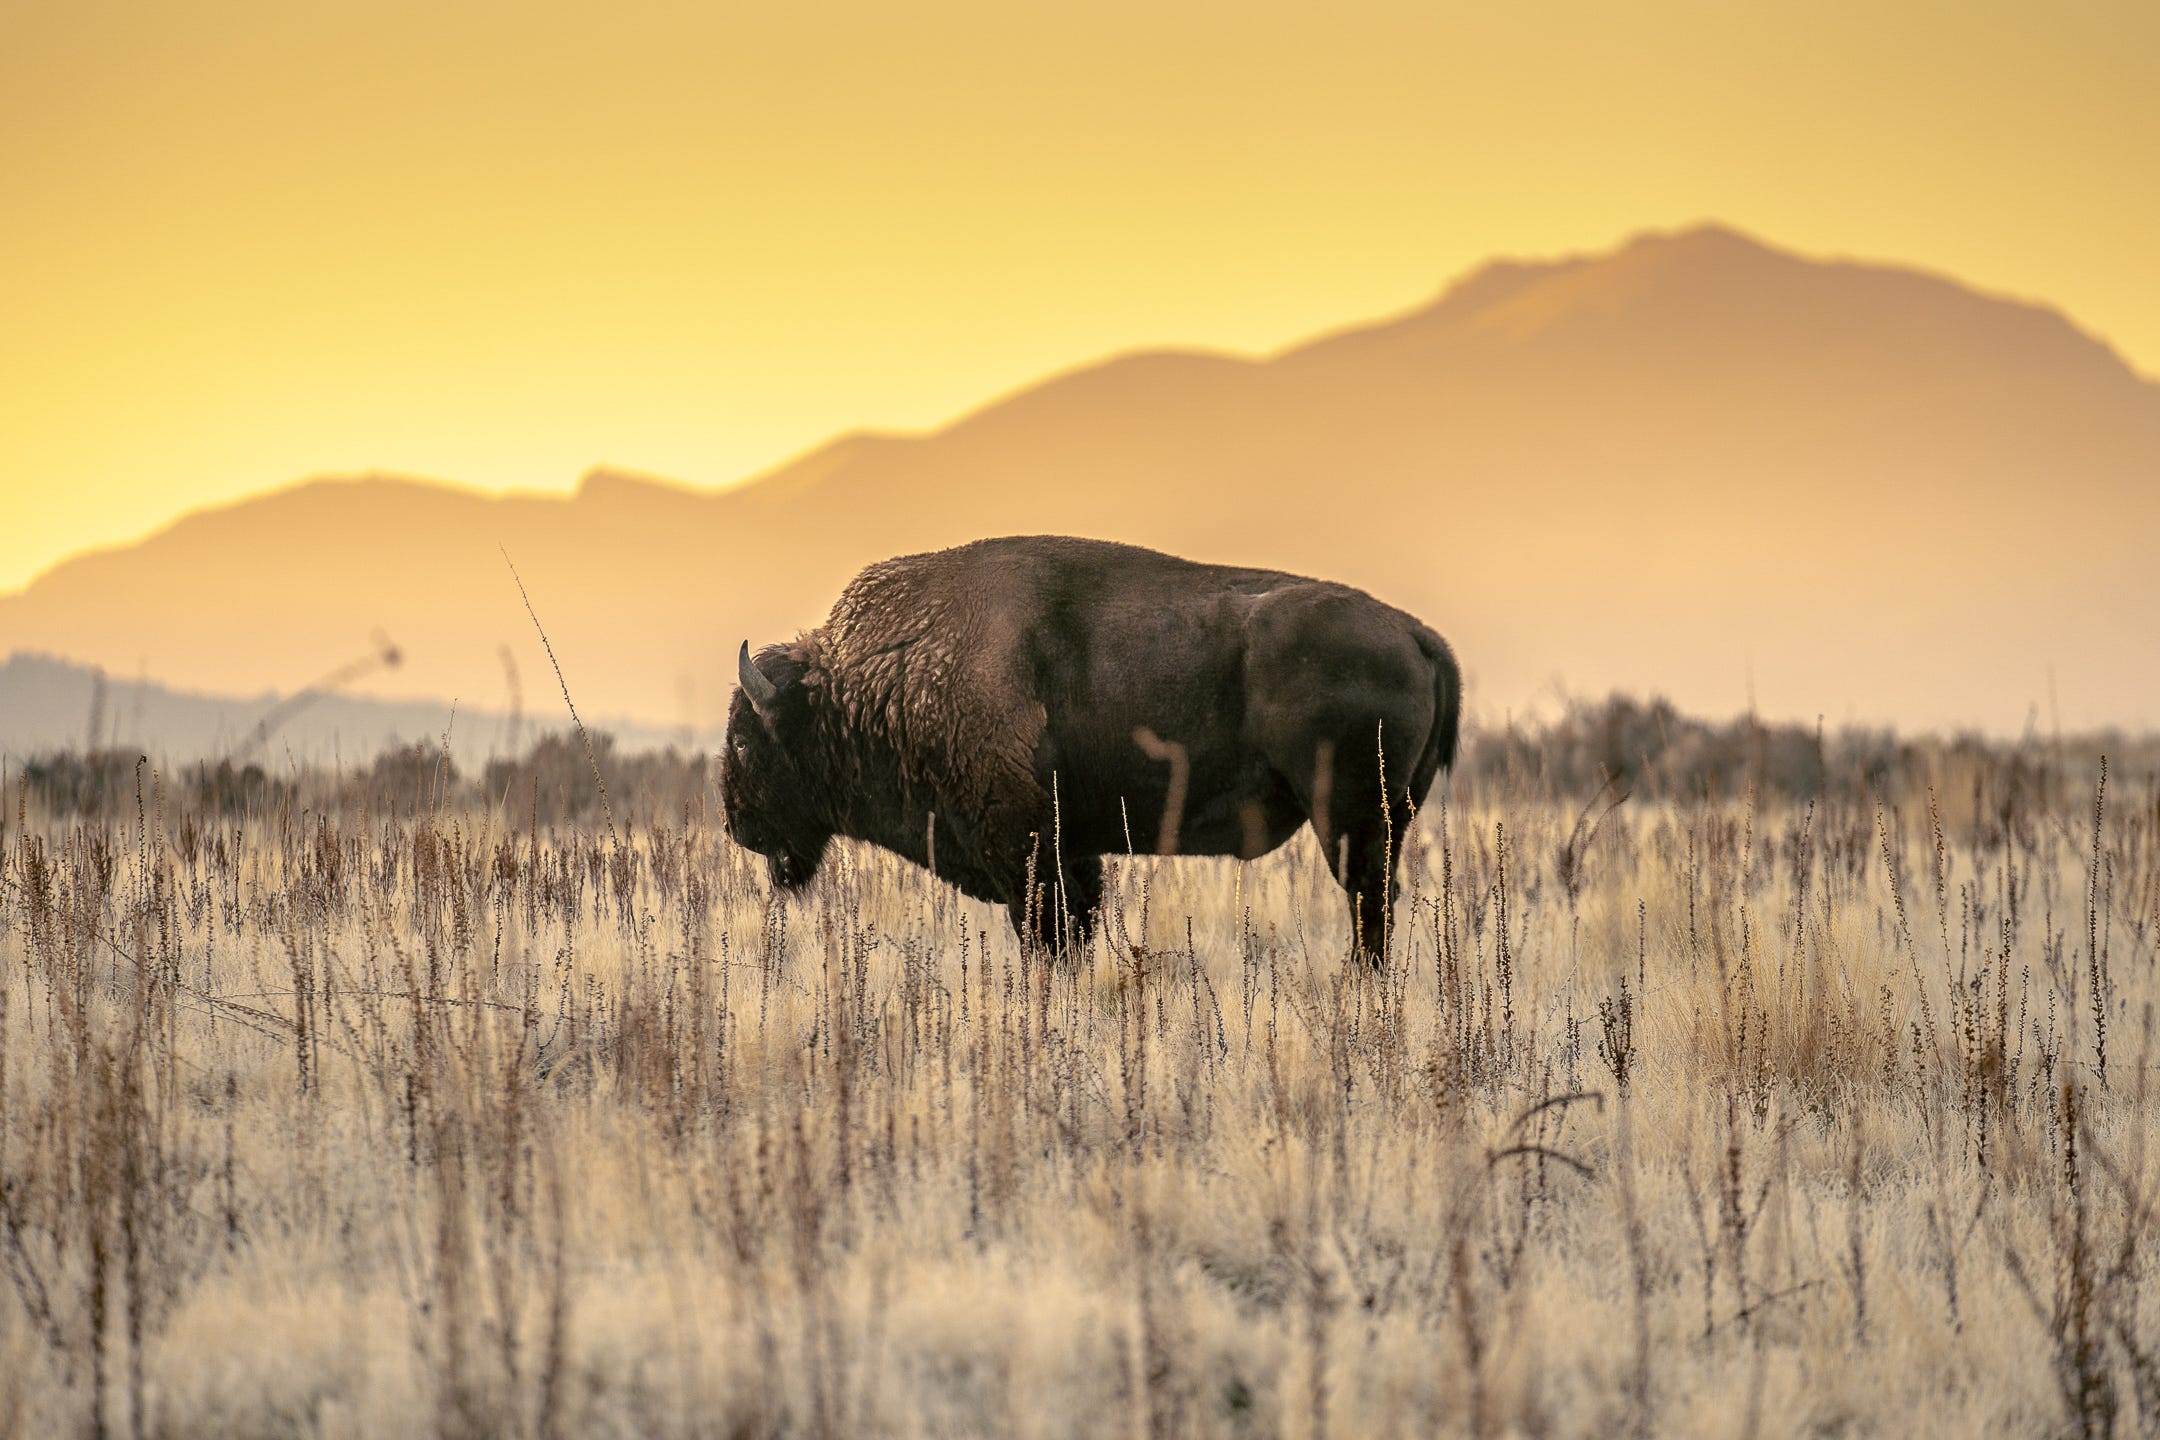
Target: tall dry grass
column 407, row 1108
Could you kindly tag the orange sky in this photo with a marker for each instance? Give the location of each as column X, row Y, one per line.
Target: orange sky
column 245, row 242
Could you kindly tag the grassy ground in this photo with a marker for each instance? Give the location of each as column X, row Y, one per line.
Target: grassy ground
column 1689, row 1118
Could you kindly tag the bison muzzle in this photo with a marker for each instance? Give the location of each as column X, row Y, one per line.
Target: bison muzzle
column 1004, row 709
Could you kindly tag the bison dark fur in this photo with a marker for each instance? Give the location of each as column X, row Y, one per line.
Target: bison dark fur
column 1049, row 697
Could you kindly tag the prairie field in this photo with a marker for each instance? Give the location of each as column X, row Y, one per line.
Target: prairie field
column 395, row 1103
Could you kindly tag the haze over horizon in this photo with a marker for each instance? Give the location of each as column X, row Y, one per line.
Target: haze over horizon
column 602, row 467
column 254, row 242
column 1695, row 465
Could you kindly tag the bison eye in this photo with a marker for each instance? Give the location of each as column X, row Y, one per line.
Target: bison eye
column 742, row 750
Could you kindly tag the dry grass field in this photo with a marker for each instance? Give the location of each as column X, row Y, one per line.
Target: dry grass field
column 351, row 1108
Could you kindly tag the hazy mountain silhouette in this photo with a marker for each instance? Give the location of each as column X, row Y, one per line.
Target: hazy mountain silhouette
column 48, row 705
column 1679, row 466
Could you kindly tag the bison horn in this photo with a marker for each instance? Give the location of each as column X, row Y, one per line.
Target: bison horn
column 761, row 691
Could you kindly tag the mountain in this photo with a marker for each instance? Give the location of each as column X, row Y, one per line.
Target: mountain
column 1695, row 465
column 48, row 704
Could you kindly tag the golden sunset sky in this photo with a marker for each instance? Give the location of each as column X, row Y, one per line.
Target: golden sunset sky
column 246, row 241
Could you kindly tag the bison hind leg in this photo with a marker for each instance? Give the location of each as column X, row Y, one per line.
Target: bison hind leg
column 1363, row 866
column 1362, row 837
column 1061, row 918
column 1364, row 846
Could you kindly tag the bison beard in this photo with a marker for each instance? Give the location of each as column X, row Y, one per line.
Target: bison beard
column 984, row 709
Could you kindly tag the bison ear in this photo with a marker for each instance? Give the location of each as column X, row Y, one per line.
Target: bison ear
column 759, row 691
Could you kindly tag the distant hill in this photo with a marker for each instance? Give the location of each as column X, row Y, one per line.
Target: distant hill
column 48, row 705
column 1695, row 465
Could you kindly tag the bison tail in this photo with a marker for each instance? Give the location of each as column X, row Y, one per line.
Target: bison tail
column 1447, row 703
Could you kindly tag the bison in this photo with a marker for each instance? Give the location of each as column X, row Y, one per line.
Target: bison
column 1022, row 707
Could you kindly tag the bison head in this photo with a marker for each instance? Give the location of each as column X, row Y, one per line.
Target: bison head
column 770, row 802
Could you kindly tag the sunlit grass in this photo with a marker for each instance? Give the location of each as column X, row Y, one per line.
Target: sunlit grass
column 388, row 1112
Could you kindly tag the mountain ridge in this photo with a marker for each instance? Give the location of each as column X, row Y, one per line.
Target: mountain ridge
column 49, row 705
column 1744, row 450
